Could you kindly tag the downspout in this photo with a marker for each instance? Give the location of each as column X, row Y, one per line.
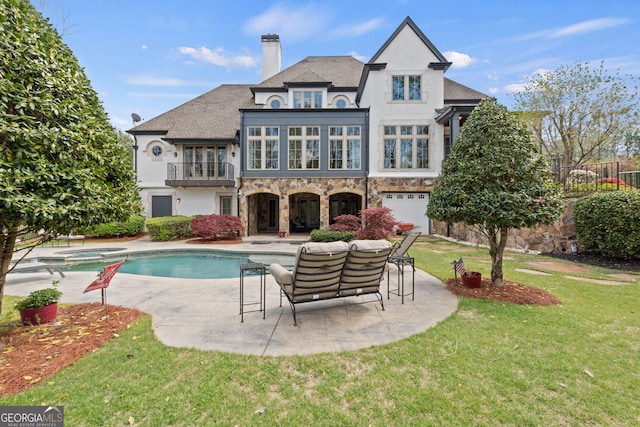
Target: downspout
column 366, row 155
column 240, row 173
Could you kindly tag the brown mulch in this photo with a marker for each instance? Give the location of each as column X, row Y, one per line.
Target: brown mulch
column 31, row 354
column 511, row 292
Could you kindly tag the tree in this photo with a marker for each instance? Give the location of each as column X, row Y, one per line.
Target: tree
column 61, row 166
column 495, row 178
column 580, row 112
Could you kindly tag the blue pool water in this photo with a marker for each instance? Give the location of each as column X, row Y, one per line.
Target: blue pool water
column 184, row 265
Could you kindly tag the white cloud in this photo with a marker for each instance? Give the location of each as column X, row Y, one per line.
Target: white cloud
column 354, row 30
column 460, row 60
column 218, row 57
column 358, row 56
column 290, row 22
column 588, row 26
column 144, row 47
column 493, row 90
column 147, row 80
column 162, row 95
column 515, row 87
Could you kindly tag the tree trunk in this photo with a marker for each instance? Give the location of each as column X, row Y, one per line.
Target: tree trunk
column 7, row 244
column 497, row 243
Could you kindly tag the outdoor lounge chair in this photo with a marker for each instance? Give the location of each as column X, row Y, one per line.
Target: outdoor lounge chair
column 398, row 258
column 25, row 267
column 401, row 248
column 333, row 270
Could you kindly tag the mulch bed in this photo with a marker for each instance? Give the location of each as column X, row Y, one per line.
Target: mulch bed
column 511, row 292
column 31, row 354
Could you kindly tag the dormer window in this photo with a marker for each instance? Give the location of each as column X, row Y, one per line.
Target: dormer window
column 307, row 99
column 405, row 88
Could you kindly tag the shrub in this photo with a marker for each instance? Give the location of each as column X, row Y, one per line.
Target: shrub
column 377, row 223
column 581, row 176
column 166, row 228
column 216, row 227
column 131, row 227
column 332, row 236
column 345, row 223
column 609, row 223
column 39, row 298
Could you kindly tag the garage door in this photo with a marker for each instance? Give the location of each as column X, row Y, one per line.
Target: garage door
column 409, row 207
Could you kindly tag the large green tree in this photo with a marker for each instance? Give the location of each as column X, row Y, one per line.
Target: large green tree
column 494, row 179
column 61, row 166
column 581, row 112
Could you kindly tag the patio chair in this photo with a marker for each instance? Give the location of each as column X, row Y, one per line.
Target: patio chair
column 401, row 248
column 26, row 267
column 398, row 258
column 364, row 268
column 315, row 275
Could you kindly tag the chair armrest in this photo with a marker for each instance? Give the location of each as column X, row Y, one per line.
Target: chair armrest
column 281, row 274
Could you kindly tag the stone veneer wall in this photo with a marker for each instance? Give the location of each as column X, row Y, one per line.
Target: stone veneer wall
column 545, row 238
column 380, row 185
column 284, row 187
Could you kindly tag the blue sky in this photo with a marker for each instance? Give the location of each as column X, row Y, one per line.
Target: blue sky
column 149, row 56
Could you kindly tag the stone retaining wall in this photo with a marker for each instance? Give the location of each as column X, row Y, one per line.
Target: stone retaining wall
column 545, row 238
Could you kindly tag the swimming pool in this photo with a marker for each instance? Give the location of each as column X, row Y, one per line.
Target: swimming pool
column 183, row 264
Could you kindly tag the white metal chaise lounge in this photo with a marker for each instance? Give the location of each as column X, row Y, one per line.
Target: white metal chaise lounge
column 25, row 267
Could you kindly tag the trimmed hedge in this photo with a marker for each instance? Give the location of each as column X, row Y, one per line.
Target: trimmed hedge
column 332, row 236
column 167, row 228
column 131, row 227
column 609, row 223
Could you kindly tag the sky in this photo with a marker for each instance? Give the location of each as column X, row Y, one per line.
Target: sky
column 149, row 56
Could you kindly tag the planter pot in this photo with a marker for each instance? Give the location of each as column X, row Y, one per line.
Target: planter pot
column 40, row 315
column 282, row 234
column 472, row 279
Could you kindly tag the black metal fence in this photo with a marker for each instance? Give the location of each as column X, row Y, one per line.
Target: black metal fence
column 589, row 178
column 200, row 171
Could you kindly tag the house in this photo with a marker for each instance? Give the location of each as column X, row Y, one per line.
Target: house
column 327, row 136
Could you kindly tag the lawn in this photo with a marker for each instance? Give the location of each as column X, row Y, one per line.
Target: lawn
column 489, row 363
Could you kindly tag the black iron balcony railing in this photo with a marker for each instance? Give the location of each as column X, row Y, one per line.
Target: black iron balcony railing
column 200, row 174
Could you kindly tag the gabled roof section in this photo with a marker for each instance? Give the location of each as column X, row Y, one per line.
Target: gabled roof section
column 456, row 93
column 409, row 22
column 458, row 99
column 340, row 71
column 211, row 116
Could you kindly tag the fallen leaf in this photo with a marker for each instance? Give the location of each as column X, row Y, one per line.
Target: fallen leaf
column 131, row 421
column 588, row 372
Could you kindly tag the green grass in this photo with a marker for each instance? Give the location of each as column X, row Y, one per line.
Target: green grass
column 490, row 363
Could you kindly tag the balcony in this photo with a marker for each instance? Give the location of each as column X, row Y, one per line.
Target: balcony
column 204, row 174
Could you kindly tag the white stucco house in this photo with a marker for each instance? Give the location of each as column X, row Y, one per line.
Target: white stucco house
column 328, row 135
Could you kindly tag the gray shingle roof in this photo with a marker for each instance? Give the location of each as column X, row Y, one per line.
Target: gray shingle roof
column 341, row 71
column 454, row 92
column 213, row 115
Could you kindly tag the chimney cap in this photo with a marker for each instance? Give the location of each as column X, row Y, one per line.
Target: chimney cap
column 270, row 38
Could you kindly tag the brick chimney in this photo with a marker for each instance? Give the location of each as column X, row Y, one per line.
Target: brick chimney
column 271, row 55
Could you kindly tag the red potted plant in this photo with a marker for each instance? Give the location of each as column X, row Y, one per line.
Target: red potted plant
column 472, row 279
column 39, row 307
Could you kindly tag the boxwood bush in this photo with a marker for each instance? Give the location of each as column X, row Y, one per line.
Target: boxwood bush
column 166, row 228
column 609, row 223
column 331, row 236
column 131, row 227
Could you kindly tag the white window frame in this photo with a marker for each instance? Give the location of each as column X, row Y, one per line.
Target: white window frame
column 313, row 100
column 407, row 93
column 347, row 137
column 308, row 135
column 265, row 142
column 403, row 141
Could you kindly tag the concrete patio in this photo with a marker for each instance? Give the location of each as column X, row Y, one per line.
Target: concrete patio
column 204, row 313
